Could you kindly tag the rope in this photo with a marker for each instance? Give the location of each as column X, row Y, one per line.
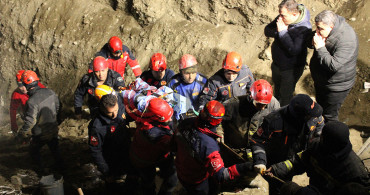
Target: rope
column 7, row 190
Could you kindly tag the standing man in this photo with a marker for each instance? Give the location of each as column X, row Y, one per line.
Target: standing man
column 19, row 99
column 117, row 56
column 288, row 50
column 333, row 64
column 188, row 82
column 40, row 117
column 101, row 75
column 109, row 140
column 158, row 75
column 234, row 79
column 284, row 133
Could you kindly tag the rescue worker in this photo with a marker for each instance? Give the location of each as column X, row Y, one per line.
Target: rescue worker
column 199, row 165
column 188, row 82
column 329, row 164
column 19, row 99
column 101, row 75
column 158, row 75
column 109, row 140
column 118, row 55
column 151, row 147
column 41, row 117
column 289, row 30
column 285, row 132
column 234, row 79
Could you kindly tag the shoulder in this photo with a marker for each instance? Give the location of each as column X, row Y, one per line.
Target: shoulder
column 125, row 48
column 201, row 78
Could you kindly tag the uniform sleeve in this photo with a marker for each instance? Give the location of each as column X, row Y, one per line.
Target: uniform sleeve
column 79, row 95
column 208, row 93
column 118, row 81
column 30, row 116
column 294, row 42
column 250, row 75
column 271, row 29
column 293, row 166
column 95, row 145
column 258, row 141
column 344, row 52
column 14, row 104
column 133, row 63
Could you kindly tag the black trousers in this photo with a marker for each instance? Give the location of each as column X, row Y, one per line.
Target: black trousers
column 331, row 101
column 37, row 143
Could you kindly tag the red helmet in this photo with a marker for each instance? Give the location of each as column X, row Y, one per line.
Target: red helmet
column 29, row 77
column 187, row 61
column 232, row 61
column 159, row 110
column 158, row 62
column 115, row 44
column 214, row 111
column 19, row 75
column 261, row 91
column 100, row 63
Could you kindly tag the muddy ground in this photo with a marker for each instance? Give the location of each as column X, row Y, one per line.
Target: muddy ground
column 59, row 38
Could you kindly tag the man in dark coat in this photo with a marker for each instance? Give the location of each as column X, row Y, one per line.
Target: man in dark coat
column 333, row 64
column 329, row 164
column 289, row 30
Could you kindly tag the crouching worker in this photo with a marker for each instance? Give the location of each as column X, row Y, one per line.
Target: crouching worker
column 199, row 165
column 109, row 140
column 151, row 147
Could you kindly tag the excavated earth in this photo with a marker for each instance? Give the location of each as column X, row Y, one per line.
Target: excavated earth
column 58, row 39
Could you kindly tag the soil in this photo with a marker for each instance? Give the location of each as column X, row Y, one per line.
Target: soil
column 58, row 39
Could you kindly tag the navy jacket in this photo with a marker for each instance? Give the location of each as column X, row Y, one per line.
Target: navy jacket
column 289, row 49
column 147, row 76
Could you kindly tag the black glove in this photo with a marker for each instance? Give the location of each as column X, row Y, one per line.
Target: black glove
column 245, row 168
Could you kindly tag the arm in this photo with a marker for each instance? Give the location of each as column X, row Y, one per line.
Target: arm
column 259, row 140
column 132, row 61
column 271, row 29
column 79, row 96
column 208, row 93
column 30, row 117
column 95, row 145
column 15, row 102
column 294, row 42
column 293, row 166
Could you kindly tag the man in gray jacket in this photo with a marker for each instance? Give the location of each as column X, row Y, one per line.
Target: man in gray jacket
column 289, row 30
column 41, row 118
column 333, row 64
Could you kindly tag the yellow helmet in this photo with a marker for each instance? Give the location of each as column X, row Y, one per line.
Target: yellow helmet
column 102, row 90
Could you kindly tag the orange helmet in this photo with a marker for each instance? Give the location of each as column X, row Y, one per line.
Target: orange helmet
column 187, row 61
column 214, row 111
column 232, row 61
column 115, row 44
column 19, row 75
column 29, row 77
column 158, row 62
column 159, row 110
column 100, row 63
column 261, row 91
column 102, row 90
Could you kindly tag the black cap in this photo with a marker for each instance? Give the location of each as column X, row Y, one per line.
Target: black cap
column 335, row 136
column 302, row 105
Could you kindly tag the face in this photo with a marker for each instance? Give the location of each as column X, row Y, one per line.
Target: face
column 189, row 77
column 111, row 112
column 117, row 54
column 323, row 29
column 288, row 17
column 23, row 89
column 102, row 74
column 230, row 75
column 259, row 106
column 158, row 74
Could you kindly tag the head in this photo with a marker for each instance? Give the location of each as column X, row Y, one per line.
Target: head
column 158, row 110
column 288, row 10
column 21, row 87
column 158, row 65
column 335, row 137
column 29, row 79
column 232, row 65
column 115, row 46
column 109, row 106
column 261, row 93
column 302, row 107
column 188, row 68
column 325, row 21
column 100, row 66
column 102, row 90
column 212, row 113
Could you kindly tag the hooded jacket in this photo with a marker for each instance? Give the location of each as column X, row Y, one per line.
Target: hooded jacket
column 333, row 67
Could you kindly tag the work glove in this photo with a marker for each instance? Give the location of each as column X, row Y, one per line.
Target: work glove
column 260, row 168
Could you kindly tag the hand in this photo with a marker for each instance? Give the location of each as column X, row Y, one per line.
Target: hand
column 281, row 25
column 318, row 41
column 269, row 173
column 260, row 168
